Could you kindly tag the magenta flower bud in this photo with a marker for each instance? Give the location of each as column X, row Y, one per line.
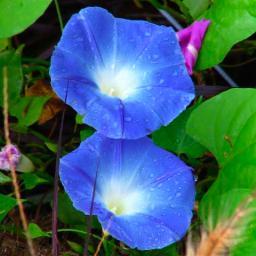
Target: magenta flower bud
column 9, row 156
column 190, row 40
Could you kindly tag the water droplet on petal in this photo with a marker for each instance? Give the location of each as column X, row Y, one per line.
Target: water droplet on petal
column 128, row 119
column 155, row 56
column 170, row 198
column 178, row 194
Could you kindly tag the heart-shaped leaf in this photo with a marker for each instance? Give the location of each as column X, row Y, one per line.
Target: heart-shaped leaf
column 225, row 125
column 17, row 15
column 231, row 22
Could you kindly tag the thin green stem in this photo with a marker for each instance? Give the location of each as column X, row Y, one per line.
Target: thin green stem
column 174, row 13
column 59, row 14
column 55, row 242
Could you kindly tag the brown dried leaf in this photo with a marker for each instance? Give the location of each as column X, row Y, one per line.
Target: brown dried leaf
column 54, row 104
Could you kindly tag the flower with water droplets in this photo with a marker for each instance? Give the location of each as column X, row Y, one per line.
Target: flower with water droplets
column 9, row 157
column 126, row 77
column 144, row 203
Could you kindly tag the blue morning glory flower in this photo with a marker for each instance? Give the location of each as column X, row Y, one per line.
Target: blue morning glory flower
column 144, row 195
column 127, row 78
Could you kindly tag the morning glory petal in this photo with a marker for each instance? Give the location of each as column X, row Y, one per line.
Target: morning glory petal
column 130, row 76
column 147, row 232
column 144, row 195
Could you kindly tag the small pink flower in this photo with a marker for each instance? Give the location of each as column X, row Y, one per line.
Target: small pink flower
column 190, row 40
column 9, row 156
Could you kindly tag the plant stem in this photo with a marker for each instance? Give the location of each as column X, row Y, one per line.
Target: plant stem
column 174, row 13
column 57, row 6
column 89, row 227
column 24, row 221
column 105, row 234
column 55, row 242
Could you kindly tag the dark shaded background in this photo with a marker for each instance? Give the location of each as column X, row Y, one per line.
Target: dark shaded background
column 41, row 37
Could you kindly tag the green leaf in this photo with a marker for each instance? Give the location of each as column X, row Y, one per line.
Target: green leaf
column 4, row 179
column 25, row 164
column 11, row 60
column 79, row 119
column 226, row 125
column 31, row 180
column 234, row 184
column 197, row 7
column 51, row 146
column 231, row 22
column 35, row 231
column 7, row 203
column 17, row 15
column 3, row 44
column 174, row 137
column 247, row 247
column 67, row 213
column 28, row 109
column 76, row 247
column 108, row 248
column 84, row 134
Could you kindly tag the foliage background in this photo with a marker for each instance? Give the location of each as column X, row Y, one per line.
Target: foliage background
column 217, row 137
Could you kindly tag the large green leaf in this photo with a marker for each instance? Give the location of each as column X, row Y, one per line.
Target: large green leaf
column 17, row 15
column 197, row 7
column 235, row 184
column 14, row 77
column 175, row 139
column 231, row 22
column 226, row 125
column 3, row 43
column 236, row 181
column 6, row 204
column 247, row 247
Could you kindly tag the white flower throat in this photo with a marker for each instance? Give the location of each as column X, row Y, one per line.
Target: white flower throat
column 122, row 200
column 120, row 84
